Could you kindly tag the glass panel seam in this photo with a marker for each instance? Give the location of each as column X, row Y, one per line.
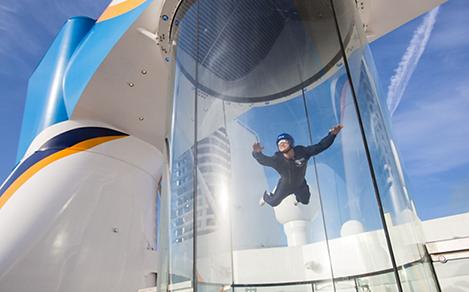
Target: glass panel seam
column 323, row 217
column 195, row 176
column 367, row 151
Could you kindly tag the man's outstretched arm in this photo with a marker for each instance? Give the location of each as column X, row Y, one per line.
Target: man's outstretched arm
column 325, row 143
column 260, row 157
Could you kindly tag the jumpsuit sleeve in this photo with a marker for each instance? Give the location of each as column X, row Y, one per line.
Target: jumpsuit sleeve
column 264, row 159
column 325, row 143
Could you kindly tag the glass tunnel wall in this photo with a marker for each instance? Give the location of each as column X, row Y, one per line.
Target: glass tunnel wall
column 399, row 212
column 245, row 71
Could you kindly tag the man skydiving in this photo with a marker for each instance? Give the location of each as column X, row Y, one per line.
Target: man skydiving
column 290, row 162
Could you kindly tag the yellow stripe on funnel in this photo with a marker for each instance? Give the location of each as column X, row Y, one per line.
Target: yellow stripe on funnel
column 119, row 9
column 79, row 147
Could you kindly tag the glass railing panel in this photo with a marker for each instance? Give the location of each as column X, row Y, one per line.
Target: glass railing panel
column 345, row 286
column 453, row 275
column 324, row 286
column 418, row 277
column 213, row 287
column 279, row 288
column 385, row 282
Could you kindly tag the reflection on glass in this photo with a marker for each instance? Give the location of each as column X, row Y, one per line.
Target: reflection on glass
column 351, row 214
column 213, row 253
column 285, row 288
column 399, row 211
column 380, row 282
column 265, row 234
column 181, row 203
column 244, row 73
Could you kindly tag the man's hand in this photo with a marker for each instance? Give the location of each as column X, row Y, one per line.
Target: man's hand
column 257, row 147
column 335, row 130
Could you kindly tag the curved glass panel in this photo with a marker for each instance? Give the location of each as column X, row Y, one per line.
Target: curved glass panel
column 248, row 212
column 401, row 219
column 182, row 169
column 351, row 212
column 264, row 235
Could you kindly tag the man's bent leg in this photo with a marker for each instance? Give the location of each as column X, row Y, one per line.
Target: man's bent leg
column 277, row 197
column 303, row 195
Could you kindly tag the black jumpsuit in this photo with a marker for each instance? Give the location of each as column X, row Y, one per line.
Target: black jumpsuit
column 292, row 171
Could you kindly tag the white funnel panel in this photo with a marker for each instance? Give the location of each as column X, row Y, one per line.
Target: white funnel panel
column 84, row 217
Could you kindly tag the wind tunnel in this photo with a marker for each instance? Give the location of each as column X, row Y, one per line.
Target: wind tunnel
column 243, row 72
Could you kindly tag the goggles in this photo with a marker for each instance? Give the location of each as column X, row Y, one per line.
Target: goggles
column 283, row 141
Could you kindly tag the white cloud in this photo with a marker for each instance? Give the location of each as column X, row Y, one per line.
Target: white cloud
column 409, row 61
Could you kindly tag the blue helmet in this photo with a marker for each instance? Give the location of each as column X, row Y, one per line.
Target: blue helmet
column 288, row 137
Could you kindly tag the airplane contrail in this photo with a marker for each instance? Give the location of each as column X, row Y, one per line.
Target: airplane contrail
column 409, row 61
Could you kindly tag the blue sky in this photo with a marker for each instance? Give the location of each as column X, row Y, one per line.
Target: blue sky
column 27, row 28
column 429, row 121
